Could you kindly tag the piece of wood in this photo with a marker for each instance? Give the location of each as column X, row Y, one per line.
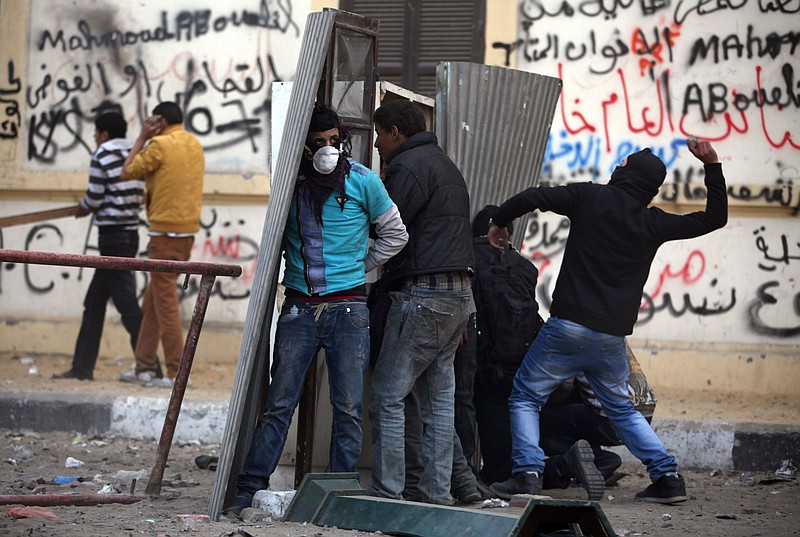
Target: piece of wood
column 38, row 216
column 46, row 500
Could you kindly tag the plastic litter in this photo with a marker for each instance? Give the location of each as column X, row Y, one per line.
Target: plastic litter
column 787, row 469
column 492, row 503
column 73, row 463
column 64, row 479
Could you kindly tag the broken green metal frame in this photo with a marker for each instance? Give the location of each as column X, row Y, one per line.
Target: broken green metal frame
column 338, row 500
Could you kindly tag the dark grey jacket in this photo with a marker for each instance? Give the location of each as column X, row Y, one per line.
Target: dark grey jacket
column 432, row 197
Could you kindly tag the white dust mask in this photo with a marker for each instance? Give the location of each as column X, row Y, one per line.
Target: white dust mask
column 325, row 159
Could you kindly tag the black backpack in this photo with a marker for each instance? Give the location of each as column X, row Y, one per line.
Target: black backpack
column 504, row 288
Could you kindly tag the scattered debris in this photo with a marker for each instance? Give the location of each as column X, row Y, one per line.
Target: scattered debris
column 192, row 522
column 727, row 516
column 274, row 502
column 787, row 469
column 31, row 512
column 666, row 516
column 73, row 463
column 492, row 503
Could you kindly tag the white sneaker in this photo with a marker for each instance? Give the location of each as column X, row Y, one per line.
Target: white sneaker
column 142, row 378
column 165, row 382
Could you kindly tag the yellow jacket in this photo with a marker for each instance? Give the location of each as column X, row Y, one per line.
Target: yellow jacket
column 173, row 163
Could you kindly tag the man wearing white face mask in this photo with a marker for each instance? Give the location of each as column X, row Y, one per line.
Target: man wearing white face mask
column 327, row 255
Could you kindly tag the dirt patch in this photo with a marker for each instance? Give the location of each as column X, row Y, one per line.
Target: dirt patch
column 722, row 504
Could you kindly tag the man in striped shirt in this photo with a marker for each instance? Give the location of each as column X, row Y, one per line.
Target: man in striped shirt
column 115, row 205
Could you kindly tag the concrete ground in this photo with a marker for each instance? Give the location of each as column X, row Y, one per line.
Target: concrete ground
column 704, row 429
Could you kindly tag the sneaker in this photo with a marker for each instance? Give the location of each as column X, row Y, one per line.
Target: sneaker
column 519, row 483
column 142, row 378
column 669, row 489
column 165, row 382
column 578, row 463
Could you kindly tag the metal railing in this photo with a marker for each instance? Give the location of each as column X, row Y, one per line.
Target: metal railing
column 208, row 273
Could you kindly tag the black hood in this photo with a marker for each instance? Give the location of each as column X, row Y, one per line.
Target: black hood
column 641, row 177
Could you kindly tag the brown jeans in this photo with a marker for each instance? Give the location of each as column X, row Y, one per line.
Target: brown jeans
column 161, row 316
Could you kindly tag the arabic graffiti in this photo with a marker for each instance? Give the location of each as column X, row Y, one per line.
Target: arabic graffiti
column 10, row 87
column 226, row 240
column 701, row 283
column 655, row 73
column 764, row 300
column 217, row 62
column 184, row 25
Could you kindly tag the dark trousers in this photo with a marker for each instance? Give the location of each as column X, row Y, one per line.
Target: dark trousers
column 560, row 426
column 464, row 366
column 120, row 287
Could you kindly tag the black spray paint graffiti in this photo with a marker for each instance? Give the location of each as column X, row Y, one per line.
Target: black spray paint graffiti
column 535, row 10
column 220, row 245
column 181, row 26
column 685, row 305
column 773, row 257
column 764, row 300
column 225, row 100
column 10, row 119
column 74, row 123
column 783, row 254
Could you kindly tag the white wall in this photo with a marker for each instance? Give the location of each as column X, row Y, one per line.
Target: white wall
column 634, row 77
column 638, row 93
column 228, row 234
column 720, row 288
column 217, row 58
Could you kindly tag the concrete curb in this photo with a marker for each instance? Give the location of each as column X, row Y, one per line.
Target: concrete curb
column 707, row 444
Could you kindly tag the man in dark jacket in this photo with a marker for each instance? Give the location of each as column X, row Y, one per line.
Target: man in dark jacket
column 431, row 302
column 613, row 239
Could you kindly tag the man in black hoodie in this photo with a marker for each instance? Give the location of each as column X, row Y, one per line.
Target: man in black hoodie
column 613, row 239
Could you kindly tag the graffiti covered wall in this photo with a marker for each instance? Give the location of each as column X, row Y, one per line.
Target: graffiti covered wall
column 216, row 60
column 651, row 74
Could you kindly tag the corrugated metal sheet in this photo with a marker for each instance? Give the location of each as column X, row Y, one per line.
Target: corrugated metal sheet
column 255, row 340
column 494, row 123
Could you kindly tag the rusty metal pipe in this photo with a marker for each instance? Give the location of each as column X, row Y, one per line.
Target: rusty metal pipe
column 48, row 500
column 119, row 263
column 179, row 388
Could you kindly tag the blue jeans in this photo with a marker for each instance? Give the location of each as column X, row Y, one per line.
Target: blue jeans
column 342, row 329
column 120, row 287
column 562, row 350
column 422, row 333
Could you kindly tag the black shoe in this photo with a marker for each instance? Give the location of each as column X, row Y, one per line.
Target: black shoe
column 234, row 511
column 613, row 479
column 669, row 489
column 471, row 496
column 72, row 374
column 519, row 483
column 578, row 463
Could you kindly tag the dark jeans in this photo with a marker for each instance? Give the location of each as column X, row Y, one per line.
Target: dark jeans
column 560, row 426
column 120, row 286
column 563, row 425
column 464, row 365
column 342, row 329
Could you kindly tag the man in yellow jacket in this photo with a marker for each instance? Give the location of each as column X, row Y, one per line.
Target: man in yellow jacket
column 172, row 161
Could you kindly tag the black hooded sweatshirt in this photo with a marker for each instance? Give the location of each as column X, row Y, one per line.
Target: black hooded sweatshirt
column 614, row 237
